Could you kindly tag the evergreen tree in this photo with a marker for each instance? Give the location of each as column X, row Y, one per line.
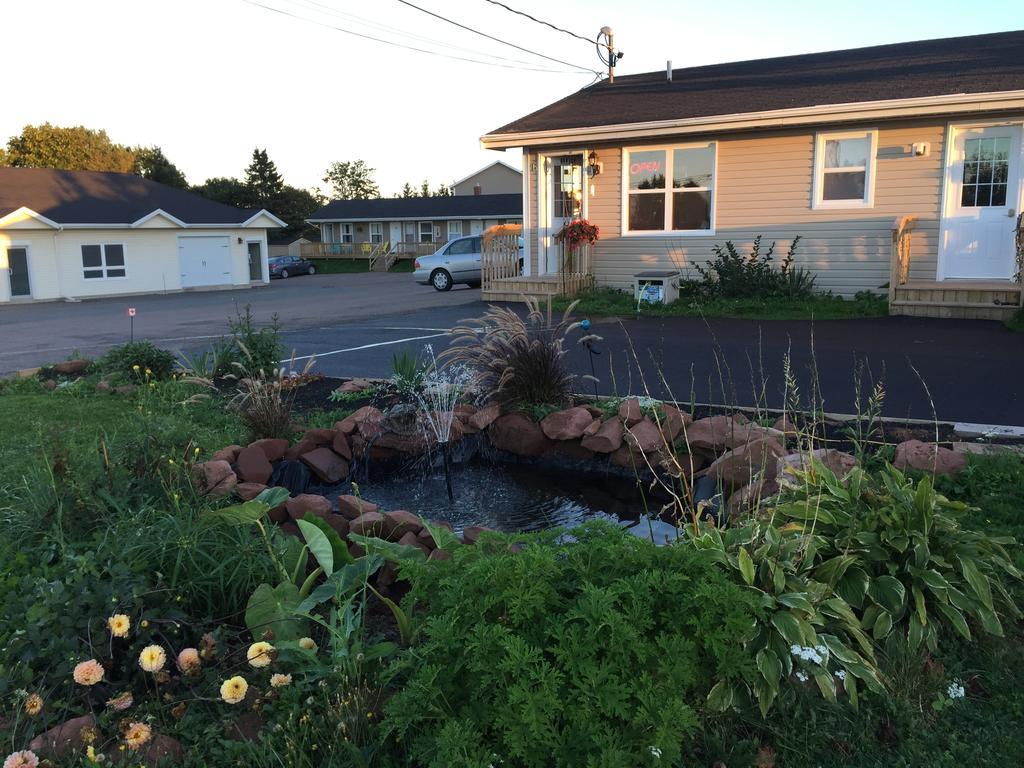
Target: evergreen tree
column 152, row 164
column 408, row 191
column 443, row 190
column 425, row 189
column 263, row 179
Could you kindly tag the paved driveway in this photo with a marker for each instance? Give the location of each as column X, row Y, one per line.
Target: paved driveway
column 33, row 334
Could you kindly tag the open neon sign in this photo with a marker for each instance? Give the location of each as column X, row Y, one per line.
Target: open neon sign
column 651, row 166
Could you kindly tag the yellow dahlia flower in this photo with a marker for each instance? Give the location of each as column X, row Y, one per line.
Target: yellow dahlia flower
column 306, row 643
column 33, row 705
column 280, row 681
column 260, row 654
column 137, row 735
column 119, row 624
column 188, row 661
column 152, row 658
column 233, row 690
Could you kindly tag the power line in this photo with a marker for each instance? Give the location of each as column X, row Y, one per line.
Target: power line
column 540, row 21
column 400, row 45
column 319, row 7
column 495, row 39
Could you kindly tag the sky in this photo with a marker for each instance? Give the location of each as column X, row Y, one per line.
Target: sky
column 209, row 80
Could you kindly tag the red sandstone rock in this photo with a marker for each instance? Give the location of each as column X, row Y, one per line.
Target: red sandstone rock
column 838, row 462
column 607, row 438
column 273, row 447
column 215, row 478
column 71, row 367
column 299, row 505
column 644, row 436
column 519, row 435
column 368, row 524
column 252, row 465
column 326, row 464
column 440, row 554
column 352, row 506
column 629, row 411
column 62, row 738
column 341, row 446
column 301, row 448
column 483, row 417
column 249, row 491
column 471, row 534
column 926, row 457
column 567, row 425
column 744, row 464
column 228, row 454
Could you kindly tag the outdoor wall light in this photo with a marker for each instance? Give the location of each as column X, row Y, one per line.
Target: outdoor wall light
column 593, row 167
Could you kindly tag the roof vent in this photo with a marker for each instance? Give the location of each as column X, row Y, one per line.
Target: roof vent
column 477, row 189
column 668, row 70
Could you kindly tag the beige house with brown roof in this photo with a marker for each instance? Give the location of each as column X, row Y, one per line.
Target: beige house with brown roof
column 899, row 166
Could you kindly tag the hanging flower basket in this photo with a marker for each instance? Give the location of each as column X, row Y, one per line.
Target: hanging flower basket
column 574, row 234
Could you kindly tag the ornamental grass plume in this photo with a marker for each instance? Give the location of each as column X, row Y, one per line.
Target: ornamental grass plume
column 189, row 662
column 152, row 658
column 119, row 624
column 33, row 704
column 22, row 759
column 260, row 654
column 88, row 672
column 137, row 734
column 233, row 689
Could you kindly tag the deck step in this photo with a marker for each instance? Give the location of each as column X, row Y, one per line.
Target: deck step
column 965, row 311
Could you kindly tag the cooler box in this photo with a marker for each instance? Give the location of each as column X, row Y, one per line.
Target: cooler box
column 656, row 287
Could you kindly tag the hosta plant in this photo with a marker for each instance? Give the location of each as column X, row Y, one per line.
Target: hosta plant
column 894, row 550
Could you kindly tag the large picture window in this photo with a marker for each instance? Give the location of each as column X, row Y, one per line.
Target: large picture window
column 426, row 232
column 454, row 229
column 100, row 262
column 844, row 169
column 670, row 189
column 346, row 233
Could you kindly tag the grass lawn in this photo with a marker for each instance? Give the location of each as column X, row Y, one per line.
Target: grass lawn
column 1016, row 323
column 612, row 302
column 346, row 266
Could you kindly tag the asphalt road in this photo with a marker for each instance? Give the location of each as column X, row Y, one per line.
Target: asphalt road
column 970, row 370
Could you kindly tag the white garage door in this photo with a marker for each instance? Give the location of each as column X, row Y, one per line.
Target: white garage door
column 204, row 261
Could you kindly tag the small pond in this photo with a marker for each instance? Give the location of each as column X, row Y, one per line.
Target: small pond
column 505, row 497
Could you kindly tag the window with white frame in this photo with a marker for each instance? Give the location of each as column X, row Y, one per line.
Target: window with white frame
column 376, row 232
column 346, row 233
column 454, row 229
column 670, row 189
column 426, row 231
column 844, row 169
column 328, row 233
column 100, row 262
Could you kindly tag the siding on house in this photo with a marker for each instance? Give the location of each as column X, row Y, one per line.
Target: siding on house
column 151, row 259
column 764, row 186
column 496, row 179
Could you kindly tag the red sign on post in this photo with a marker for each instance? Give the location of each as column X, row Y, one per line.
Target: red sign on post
column 131, row 311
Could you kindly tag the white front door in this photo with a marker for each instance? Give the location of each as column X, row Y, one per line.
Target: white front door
column 476, row 226
column 564, row 203
column 983, row 193
column 395, row 233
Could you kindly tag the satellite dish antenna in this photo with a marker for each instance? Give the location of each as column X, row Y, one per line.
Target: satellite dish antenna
column 606, row 52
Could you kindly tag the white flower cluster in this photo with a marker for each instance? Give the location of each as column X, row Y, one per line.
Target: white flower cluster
column 841, row 674
column 956, row 690
column 817, row 654
column 655, row 752
column 801, row 676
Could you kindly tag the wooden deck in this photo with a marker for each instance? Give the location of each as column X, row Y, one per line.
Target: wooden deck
column 540, row 286
column 964, row 299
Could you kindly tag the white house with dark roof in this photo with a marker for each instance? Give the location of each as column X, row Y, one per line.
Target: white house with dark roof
column 80, row 234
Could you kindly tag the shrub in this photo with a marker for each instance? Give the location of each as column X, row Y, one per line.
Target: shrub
column 593, row 651
column 143, row 354
column 894, row 550
column 261, row 348
column 513, row 360
column 732, row 275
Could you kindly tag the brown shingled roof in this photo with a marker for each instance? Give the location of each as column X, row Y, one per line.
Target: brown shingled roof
column 976, row 64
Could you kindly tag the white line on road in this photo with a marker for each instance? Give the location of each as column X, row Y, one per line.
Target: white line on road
column 364, row 346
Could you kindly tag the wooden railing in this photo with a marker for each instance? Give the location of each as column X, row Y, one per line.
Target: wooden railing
column 342, row 250
column 411, row 250
column 899, row 259
column 500, row 268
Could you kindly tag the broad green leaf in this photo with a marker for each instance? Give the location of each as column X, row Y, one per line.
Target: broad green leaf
column 915, row 631
column 238, row 514
column 888, row 592
column 318, row 545
column 788, row 626
column 338, row 546
column 850, row 686
column 919, row 604
column 273, row 497
column 797, row 601
column 273, row 608
column 853, row 586
column 294, row 558
column 769, row 666
column 826, row 684
column 746, row 566
column 838, row 607
column 990, row 621
column 977, row 580
column 721, row 696
column 838, row 649
column 765, row 695
column 344, row 580
column 831, row 571
column 443, row 538
column 883, row 625
column 389, row 550
column 954, row 617
column 401, row 617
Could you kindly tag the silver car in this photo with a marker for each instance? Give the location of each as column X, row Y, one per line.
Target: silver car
column 457, row 261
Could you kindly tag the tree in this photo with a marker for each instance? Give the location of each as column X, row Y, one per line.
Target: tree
column 71, row 149
column 229, row 191
column 408, row 191
column 262, row 178
column 425, row 189
column 294, row 206
column 443, row 190
column 351, row 181
column 152, row 164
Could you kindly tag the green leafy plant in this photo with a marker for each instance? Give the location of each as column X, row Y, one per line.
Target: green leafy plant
column 129, row 359
column 598, row 650
column 734, row 275
column 216, row 360
column 261, row 346
column 407, row 372
column 893, row 548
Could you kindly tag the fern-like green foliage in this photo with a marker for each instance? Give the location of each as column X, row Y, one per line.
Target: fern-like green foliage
column 596, row 651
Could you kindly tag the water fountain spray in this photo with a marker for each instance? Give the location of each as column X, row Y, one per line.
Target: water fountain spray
column 437, row 398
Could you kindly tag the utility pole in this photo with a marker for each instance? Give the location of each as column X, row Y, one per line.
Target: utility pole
column 609, row 55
